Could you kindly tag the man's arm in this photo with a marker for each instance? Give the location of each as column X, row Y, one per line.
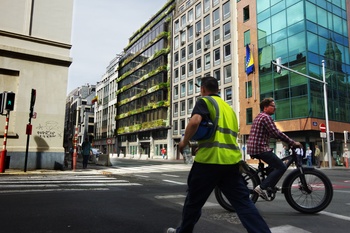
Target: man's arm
column 191, row 129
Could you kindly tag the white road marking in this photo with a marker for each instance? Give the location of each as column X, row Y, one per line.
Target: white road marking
column 288, row 229
column 342, row 217
column 169, row 196
column 174, row 182
column 170, row 175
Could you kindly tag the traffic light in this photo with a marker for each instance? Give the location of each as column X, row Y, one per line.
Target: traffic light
column 331, row 136
column 7, row 101
column 279, row 62
column 32, row 102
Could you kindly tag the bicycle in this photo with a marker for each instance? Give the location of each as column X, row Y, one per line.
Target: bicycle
column 306, row 189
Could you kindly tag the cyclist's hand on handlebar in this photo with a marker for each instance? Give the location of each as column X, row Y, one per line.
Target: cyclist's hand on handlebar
column 298, row 144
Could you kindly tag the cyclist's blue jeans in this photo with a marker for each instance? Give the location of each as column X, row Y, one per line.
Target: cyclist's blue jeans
column 274, row 162
column 203, row 178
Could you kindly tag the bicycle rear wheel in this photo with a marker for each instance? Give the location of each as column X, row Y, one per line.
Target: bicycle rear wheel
column 251, row 180
column 311, row 199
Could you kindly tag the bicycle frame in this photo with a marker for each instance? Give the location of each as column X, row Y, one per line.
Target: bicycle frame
column 262, row 171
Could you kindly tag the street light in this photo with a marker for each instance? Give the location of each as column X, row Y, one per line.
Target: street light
column 278, row 63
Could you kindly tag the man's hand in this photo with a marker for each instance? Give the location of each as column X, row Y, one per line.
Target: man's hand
column 298, row 144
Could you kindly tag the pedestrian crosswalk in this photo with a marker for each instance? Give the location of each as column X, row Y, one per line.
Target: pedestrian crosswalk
column 150, row 168
column 50, row 183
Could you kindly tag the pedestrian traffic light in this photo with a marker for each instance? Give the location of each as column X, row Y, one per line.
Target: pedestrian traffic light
column 7, row 101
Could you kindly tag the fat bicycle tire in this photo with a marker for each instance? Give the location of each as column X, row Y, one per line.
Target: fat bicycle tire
column 252, row 181
column 319, row 197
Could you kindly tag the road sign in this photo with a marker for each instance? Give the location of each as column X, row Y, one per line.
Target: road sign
column 323, row 127
column 323, row 135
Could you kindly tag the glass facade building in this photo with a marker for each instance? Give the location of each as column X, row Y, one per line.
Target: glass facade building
column 303, row 33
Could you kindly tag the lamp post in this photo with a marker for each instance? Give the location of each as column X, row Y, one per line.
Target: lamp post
column 278, row 63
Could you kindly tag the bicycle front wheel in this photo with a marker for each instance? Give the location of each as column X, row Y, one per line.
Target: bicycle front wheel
column 312, row 197
column 251, row 180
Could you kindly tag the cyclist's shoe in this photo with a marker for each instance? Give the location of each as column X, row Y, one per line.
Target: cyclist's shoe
column 262, row 193
column 171, row 230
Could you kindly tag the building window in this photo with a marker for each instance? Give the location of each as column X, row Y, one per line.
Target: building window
column 190, row 33
column 190, row 87
column 217, row 56
column 176, row 58
column 183, row 38
column 198, row 46
column 176, row 109
column 198, row 84
column 246, row 37
column 176, row 42
column 183, row 126
column 183, row 72
column 216, row 36
column 227, row 52
column 190, row 50
column 206, row 23
column 217, row 75
column 183, row 90
column 246, row 13
column 183, row 54
column 198, row 65
column 176, row 127
column 206, row 5
column 176, row 92
column 216, row 17
column 227, row 30
column 198, row 27
column 190, row 16
column 249, row 91
column 228, row 95
column 182, row 108
column 249, row 115
column 176, row 75
column 190, row 105
column 207, row 61
column 215, row 2
column 226, row 10
column 206, row 41
column 227, row 74
column 198, row 10
column 183, row 21
column 190, row 69
column 176, row 26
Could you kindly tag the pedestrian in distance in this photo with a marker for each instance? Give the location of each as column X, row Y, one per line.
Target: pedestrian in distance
column 86, row 150
column 262, row 129
column 163, row 152
column 300, row 153
column 308, row 155
column 317, row 156
column 216, row 163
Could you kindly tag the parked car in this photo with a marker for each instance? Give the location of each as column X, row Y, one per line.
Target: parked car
column 96, row 152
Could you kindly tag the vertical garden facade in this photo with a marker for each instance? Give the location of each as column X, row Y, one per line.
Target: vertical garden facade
column 143, row 96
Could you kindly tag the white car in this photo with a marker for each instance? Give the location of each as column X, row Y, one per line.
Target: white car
column 96, row 152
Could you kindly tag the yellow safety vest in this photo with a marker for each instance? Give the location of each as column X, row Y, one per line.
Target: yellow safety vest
column 222, row 147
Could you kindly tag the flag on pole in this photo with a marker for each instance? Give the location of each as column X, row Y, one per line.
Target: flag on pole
column 249, row 61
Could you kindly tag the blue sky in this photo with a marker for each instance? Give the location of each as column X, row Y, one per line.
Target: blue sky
column 101, row 29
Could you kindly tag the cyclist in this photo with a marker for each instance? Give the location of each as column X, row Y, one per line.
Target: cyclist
column 264, row 128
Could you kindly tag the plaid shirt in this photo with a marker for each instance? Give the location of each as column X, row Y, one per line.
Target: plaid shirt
column 262, row 130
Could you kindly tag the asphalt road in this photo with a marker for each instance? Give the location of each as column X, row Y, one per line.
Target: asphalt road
column 142, row 196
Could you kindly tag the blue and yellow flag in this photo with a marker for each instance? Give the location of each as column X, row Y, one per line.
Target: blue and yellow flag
column 249, row 61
